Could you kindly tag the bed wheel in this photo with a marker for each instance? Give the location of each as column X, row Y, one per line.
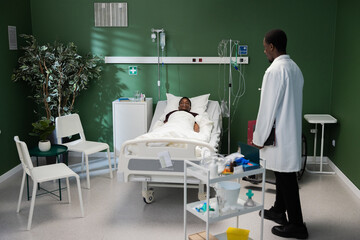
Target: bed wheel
column 148, row 196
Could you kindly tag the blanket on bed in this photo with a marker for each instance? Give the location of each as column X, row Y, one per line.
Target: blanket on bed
column 181, row 125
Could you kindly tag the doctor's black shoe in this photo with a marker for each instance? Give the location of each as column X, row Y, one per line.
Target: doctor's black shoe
column 272, row 215
column 291, row 231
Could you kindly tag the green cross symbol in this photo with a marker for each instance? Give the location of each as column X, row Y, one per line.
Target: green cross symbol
column 132, row 70
column 249, row 194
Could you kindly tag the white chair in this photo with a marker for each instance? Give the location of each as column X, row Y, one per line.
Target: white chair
column 70, row 125
column 43, row 174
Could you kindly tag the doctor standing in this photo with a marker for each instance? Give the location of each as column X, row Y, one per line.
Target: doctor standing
column 281, row 106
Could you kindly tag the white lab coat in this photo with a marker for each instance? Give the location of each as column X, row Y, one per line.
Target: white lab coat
column 281, row 102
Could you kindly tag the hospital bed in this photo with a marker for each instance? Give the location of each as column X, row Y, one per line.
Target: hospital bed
column 139, row 160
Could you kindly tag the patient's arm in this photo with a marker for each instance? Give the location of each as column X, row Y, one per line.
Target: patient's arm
column 196, row 127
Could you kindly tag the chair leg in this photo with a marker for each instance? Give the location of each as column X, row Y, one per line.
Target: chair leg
column 108, row 155
column 82, row 162
column 80, row 196
column 115, row 166
column 32, row 205
column 68, row 189
column 87, row 171
column 21, row 191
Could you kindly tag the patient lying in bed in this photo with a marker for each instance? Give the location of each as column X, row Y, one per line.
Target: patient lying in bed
column 184, row 105
column 182, row 123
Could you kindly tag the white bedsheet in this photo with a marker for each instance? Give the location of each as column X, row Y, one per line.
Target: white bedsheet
column 181, row 125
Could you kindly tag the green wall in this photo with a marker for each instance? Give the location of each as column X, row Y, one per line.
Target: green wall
column 345, row 94
column 193, row 28
column 16, row 109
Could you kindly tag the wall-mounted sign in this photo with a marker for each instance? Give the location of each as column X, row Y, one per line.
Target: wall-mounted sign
column 132, row 70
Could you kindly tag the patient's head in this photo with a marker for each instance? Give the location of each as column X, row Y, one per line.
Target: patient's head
column 185, row 104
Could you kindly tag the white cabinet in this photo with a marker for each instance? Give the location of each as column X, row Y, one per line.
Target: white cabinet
column 130, row 120
column 203, row 174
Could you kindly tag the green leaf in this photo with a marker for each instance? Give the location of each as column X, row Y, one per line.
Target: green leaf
column 63, row 65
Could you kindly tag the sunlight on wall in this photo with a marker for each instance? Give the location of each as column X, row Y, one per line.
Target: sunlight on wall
column 127, row 42
column 117, row 42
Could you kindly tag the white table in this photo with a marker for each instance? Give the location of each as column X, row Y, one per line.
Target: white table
column 320, row 119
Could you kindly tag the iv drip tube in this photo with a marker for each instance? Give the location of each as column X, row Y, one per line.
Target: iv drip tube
column 230, row 82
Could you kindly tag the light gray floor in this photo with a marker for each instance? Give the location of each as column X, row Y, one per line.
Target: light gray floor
column 115, row 210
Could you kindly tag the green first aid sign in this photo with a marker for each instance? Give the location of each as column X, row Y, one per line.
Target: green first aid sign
column 132, row 70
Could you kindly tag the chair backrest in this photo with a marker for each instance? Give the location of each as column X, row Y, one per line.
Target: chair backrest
column 24, row 155
column 68, row 125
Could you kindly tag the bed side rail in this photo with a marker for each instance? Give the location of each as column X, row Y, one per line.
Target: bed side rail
column 178, row 148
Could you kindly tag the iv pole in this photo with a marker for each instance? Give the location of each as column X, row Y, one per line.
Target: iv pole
column 153, row 36
column 230, row 83
column 230, row 86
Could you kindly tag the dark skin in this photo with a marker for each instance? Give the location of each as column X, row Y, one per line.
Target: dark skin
column 271, row 53
column 185, row 105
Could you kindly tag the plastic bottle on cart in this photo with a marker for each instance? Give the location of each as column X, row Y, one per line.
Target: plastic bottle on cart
column 213, row 169
column 249, row 202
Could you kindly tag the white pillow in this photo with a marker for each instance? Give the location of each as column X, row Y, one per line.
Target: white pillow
column 198, row 104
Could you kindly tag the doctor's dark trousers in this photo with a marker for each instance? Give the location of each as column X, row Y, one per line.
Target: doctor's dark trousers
column 287, row 196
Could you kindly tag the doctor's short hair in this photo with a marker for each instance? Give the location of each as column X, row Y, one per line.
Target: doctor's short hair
column 278, row 38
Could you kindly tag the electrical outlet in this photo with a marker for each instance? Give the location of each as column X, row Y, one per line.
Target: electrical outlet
column 313, row 130
column 333, row 142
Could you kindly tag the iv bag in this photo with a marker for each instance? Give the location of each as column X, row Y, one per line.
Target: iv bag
column 224, row 109
column 162, row 40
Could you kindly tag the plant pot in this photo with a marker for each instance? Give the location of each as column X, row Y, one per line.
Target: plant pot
column 44, row 145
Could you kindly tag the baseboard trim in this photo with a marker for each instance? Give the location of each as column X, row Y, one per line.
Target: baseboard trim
column 343, row 177
column 9, row 173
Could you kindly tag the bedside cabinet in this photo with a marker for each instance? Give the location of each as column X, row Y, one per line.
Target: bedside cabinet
column 130, row 120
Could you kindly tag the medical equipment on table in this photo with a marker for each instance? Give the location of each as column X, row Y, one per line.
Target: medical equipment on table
column 228, row 191
column 213, row 169
column 237, row 234
column 203, row 208
column 142, row 163
column 249, row 202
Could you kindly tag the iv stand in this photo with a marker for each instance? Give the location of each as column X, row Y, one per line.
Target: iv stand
column 158, row 55
column 230, row 83
column 230, row 86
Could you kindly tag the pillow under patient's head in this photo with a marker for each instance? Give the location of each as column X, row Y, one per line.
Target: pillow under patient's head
column 198, row 104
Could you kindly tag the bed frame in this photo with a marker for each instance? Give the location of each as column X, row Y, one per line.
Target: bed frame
column 139, row 161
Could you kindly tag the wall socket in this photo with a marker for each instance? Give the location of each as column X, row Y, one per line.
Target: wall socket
column 314, row 130
column 333, row 142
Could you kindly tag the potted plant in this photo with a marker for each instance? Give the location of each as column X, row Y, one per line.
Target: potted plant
column 56, row 73
column 43, row 129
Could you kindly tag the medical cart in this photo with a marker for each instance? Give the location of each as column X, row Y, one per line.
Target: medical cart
column 203, row 174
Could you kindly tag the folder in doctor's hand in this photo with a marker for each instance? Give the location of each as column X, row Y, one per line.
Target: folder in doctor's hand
column 270, row 141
